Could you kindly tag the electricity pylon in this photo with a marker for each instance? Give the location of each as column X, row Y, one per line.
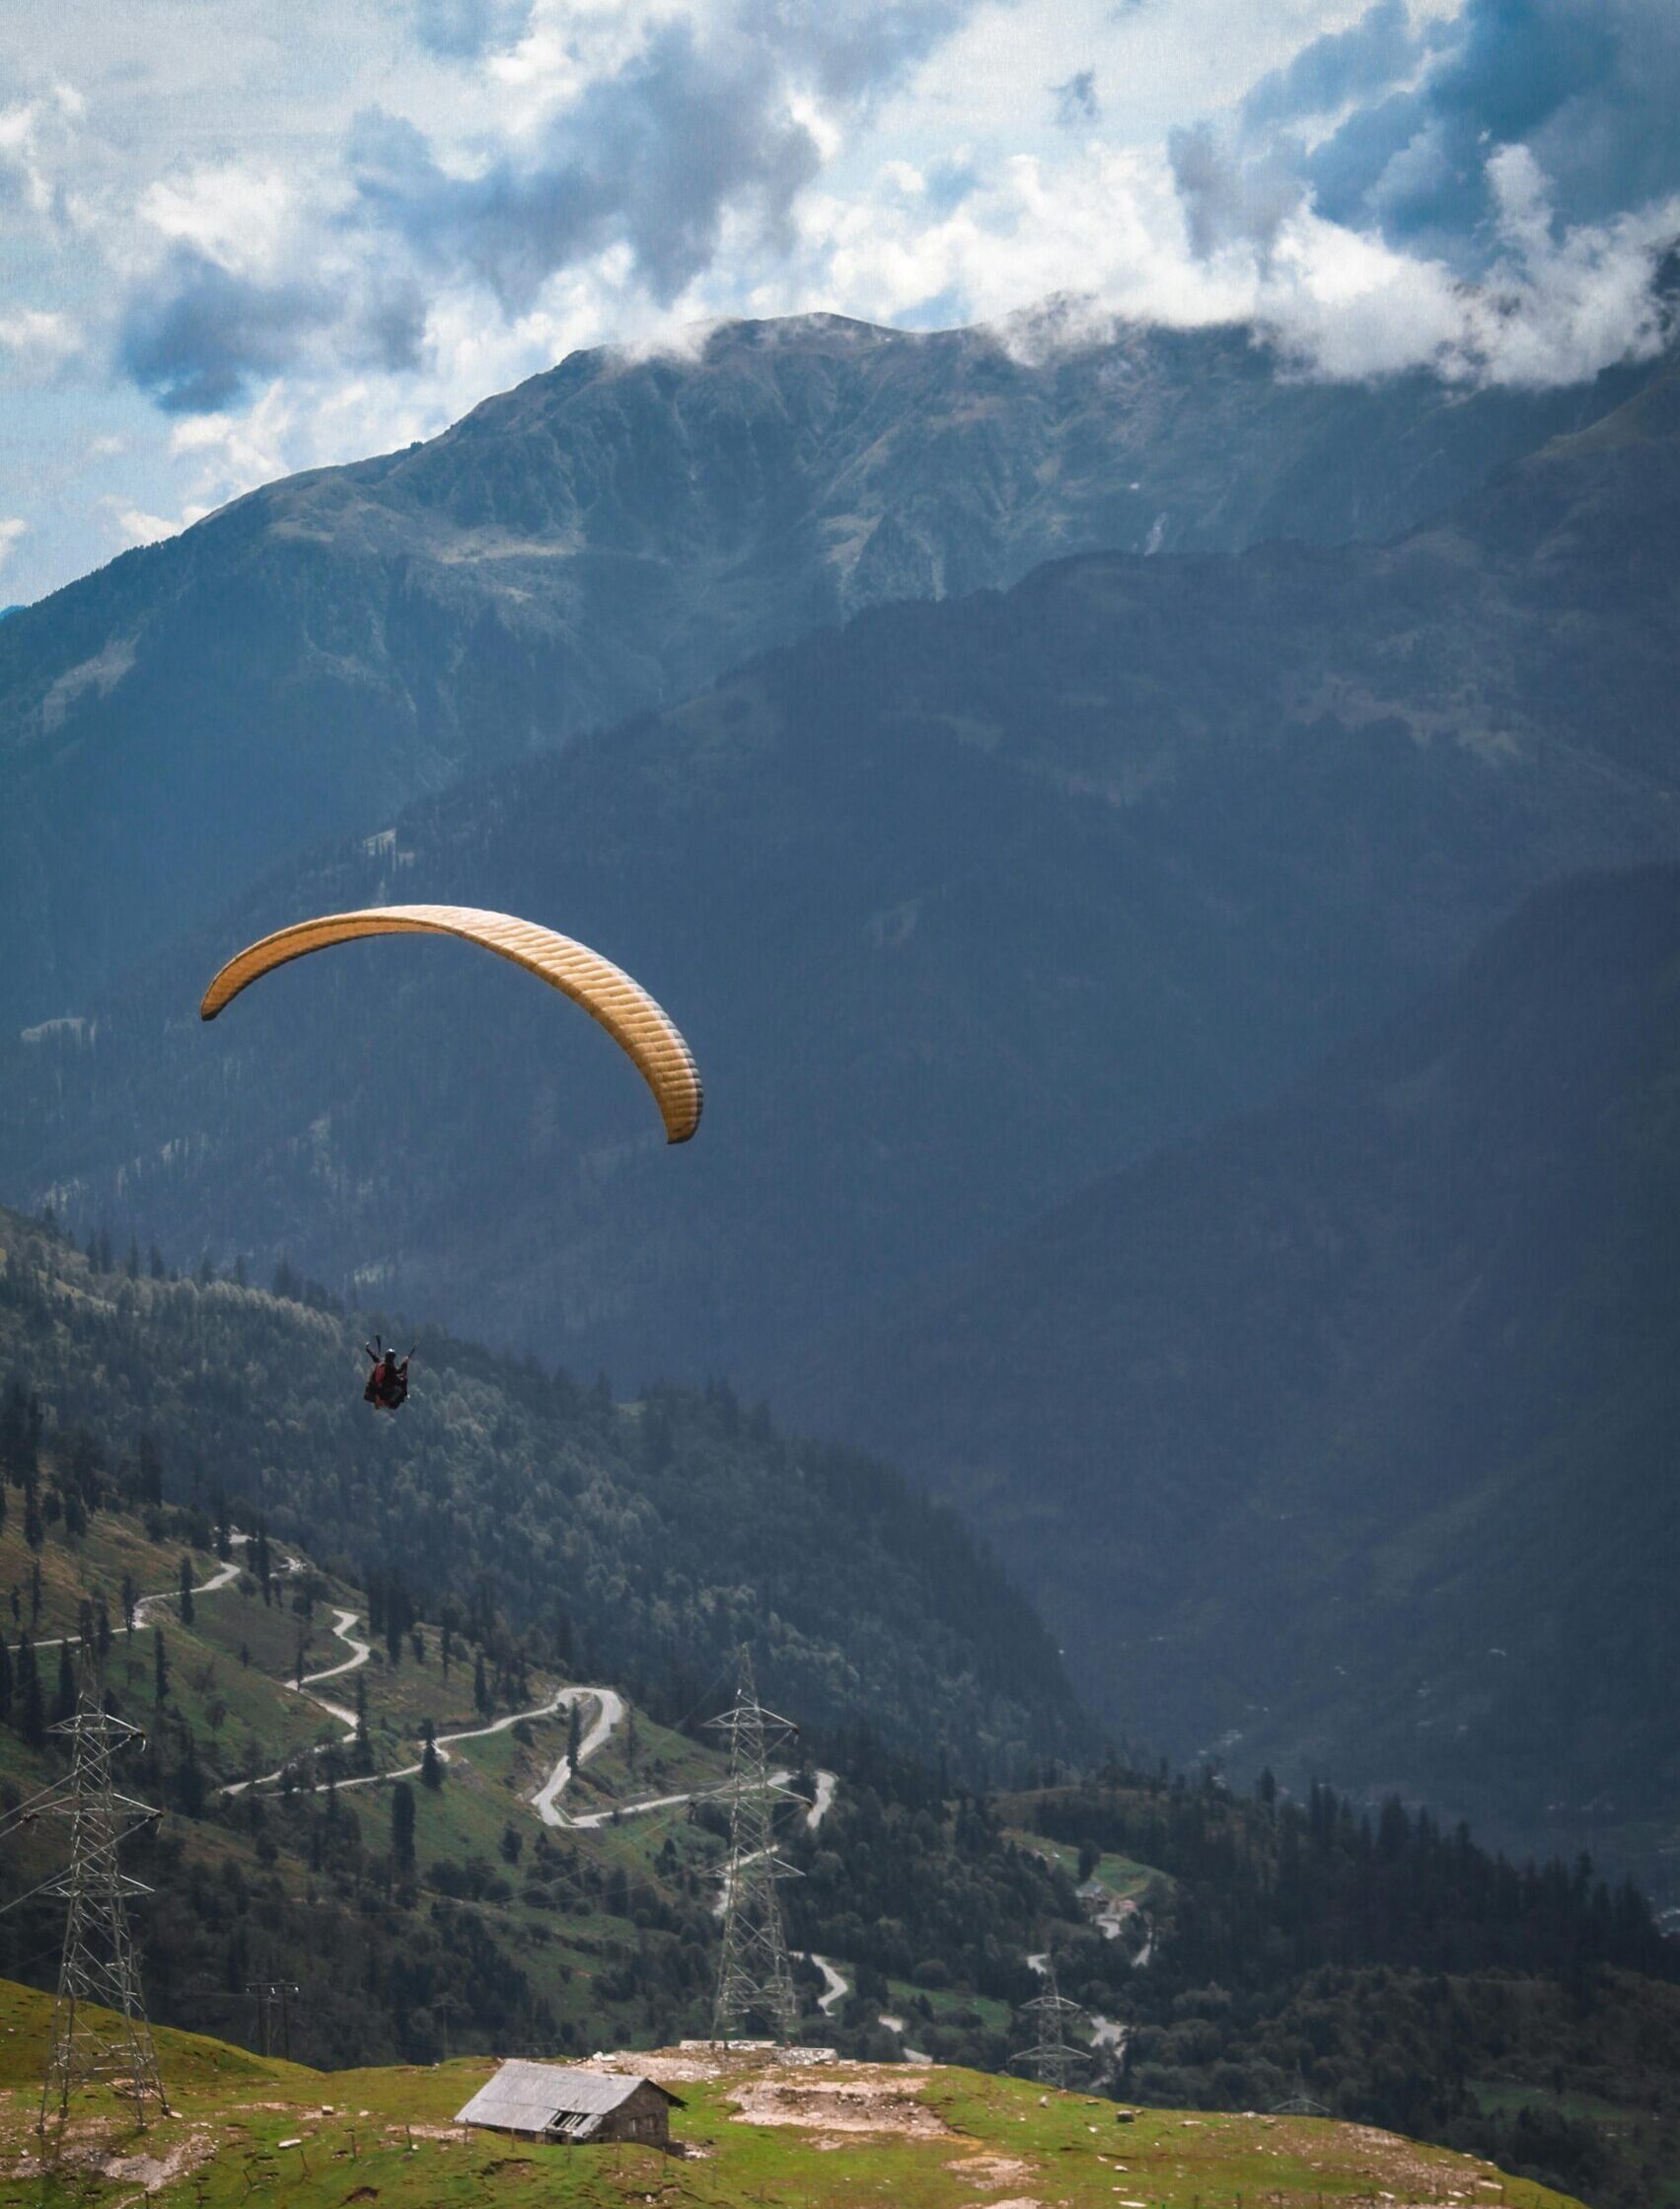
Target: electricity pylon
column 754, row 1978
column 1052, row 2057
column 270, row 1995
column 99, row 2021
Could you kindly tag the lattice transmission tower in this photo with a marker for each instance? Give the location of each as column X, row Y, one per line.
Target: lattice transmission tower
column 754, row 1981
column 100, row 2030
column 1052, row 2057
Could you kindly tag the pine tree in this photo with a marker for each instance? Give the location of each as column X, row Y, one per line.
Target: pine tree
column 102, row 1628
column 149, row 1470
column 575, row 1736
column 403, row 1826
column 65, row 1703
column 5, row 1681
column 129, row 1597
column 362, row 1752
column 33, row 1726
column 186, row 1591
column 20, row 1431
column 34, row 1532
column 189, row 1777
column 84, row 1468
column 480, row 1686
column 160, row 1668
column 431, row 1764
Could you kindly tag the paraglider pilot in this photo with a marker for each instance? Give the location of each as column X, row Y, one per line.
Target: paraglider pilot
column 388, row 1383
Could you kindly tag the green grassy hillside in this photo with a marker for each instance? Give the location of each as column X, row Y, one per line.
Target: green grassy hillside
column 417, row 1919
column 755, row 2132
column 279, row 1854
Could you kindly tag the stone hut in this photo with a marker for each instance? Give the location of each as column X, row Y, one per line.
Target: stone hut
column 551, row 2102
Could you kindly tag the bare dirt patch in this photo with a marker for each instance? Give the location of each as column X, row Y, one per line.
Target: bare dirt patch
column 989, row 2170
column 668, row 2066
column 836, row 2109
column 154, row 2173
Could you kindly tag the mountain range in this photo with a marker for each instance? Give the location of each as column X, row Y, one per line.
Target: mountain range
column 612, row 535
column 960, row 907
column 1136, row 884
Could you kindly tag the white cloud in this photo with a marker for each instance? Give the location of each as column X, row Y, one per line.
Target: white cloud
column 243, row 218
column 134, row 525
column 293, row 287
column 37, row 342
column 11, row 529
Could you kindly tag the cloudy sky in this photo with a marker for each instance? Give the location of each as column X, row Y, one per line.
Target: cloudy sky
column 240, row 237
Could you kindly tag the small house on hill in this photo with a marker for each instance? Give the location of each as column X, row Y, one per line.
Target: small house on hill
column 549, row 2101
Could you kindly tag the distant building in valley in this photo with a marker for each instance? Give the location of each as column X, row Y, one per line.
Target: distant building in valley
column 551, row 2102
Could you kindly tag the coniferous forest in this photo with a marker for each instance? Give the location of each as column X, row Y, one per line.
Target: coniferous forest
column 1226, row 1952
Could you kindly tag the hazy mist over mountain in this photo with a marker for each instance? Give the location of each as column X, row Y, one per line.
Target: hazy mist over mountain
column 1289, row 1427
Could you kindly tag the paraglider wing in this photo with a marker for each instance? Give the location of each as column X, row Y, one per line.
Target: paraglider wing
column 649, row 1037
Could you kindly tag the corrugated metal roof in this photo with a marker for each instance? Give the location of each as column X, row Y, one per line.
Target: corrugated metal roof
column 536, row 2097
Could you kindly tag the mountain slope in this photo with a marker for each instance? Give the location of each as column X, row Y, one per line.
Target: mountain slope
column 611, row 535
column 1343, row 1438
column 960, row 908
column 757, row 2128
column 558, row 1890
column 653, row 1539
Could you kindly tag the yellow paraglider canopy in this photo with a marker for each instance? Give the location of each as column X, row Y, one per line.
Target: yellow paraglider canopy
column 606, row 992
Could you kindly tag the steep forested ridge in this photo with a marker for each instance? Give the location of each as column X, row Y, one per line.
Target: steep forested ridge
column 1308, row 1953
column 1345, row 1435
column 644, row 1541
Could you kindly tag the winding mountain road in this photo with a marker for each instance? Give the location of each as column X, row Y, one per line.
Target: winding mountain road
column 223, row 1577
column 546, row 1800
column 610, row 1712
column 835, row 1986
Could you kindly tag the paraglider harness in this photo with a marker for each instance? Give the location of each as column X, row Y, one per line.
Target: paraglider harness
column 388, row 1383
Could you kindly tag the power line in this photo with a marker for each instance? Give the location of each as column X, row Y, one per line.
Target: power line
column 271, row 1995
column 1052, row 2057
column 100, row 2030
column 754, row 1981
